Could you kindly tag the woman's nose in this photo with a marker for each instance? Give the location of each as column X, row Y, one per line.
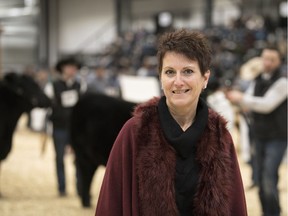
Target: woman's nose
column 178, row 79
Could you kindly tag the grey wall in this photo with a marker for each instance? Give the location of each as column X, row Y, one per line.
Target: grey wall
column 86, row 25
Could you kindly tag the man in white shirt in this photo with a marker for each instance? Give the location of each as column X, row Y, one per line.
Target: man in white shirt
column 266, row 99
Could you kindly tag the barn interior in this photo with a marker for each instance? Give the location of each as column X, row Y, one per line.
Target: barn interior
column 119, row 36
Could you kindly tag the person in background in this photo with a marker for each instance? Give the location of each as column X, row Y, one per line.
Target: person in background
column 99, row 81
column 217, row 101
column 65, row 94
column 148, row 67
column 175, row 156
column 102, row 82
column 266, row 98
column 247, row 73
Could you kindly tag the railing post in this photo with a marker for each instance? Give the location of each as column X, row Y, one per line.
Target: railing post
column 123, row 15
column 1, row 66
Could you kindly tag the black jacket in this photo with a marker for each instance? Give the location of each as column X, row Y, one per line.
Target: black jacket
column 271, row 125
column 65, row 98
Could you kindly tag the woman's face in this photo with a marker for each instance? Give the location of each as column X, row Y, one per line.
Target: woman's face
column 182, row 81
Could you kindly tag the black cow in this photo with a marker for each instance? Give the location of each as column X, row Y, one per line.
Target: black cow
column 18, row 94
column 95, row 122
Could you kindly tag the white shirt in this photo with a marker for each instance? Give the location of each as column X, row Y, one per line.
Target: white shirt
column 276, row 94
column 218, row 102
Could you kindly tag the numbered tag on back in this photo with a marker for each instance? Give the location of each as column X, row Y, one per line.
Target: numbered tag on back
column 69, row 98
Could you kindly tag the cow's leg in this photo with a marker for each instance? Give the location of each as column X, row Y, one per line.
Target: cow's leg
column 78, row 178
column 87, row 180
column 85, row 173
column 0, row 179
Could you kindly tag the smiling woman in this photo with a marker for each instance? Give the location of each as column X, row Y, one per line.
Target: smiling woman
column 175, row 156
column 182, row 83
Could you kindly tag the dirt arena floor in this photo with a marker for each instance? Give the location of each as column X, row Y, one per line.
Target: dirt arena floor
column 28, row 181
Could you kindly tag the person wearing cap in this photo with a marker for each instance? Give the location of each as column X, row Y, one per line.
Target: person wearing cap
column 65, row 94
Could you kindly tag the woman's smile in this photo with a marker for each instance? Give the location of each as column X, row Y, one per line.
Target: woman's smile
column 183, row 91
column 182, row 81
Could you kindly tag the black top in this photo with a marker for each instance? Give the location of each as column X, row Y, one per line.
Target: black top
column 65, row 97
column 271, row 125
column 185, row 144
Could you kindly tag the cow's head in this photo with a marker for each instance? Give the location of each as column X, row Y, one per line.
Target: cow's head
column 27, row 89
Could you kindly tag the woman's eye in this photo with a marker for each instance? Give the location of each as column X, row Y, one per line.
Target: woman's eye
column 188, row 71
column 169, row 72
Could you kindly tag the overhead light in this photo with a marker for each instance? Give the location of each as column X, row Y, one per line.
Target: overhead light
column 30, row 3
column 165, row 19
column 15, row 12
column 283, row 9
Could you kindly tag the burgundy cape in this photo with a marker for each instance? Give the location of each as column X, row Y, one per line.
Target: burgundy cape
column 139, row 178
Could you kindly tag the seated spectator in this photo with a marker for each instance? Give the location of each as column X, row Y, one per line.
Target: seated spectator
column 101, row 81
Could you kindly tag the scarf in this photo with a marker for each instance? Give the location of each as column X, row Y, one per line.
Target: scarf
column 185, row 144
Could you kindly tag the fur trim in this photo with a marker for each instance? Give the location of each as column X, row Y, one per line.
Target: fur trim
column 212, row 196
column 156, row 160
column 155, row 164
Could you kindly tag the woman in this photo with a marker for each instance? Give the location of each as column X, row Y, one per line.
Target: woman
column 174, row 156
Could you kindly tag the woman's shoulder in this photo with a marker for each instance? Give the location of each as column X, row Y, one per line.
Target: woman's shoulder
column 130, row 123
column 147, row 107
column 216, row 120
column 217, row 130
column 141, row 111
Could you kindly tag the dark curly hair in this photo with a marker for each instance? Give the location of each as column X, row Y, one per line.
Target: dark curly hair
column 194, row 45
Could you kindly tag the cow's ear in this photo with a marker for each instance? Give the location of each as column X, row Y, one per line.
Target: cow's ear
column 11, row 77
column 13, row 82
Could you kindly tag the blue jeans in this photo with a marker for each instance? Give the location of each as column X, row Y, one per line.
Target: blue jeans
column 60, row 139
column 268, row 156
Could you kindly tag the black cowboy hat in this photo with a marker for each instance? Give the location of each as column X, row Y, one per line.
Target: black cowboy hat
column 67, row 61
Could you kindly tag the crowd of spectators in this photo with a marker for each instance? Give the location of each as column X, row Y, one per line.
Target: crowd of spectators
column 134, row 52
